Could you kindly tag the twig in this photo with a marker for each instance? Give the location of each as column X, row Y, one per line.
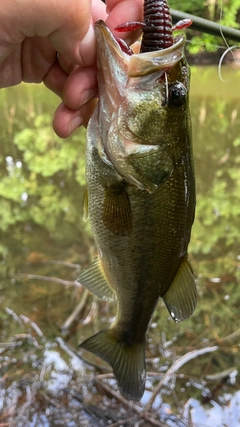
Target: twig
column 206, row 26
column 91, row 314
column 223, row 375
column 121, row 422
column 28, row 337
column 105, row 376
column 53, row 402
column 46, row 278
column 69, row 350
column 14, row 315
column 34, row 326
column 12, row 344
column 175, row 366
column 231, row 336
column 187, row 413
column 65, row 263
column 30, row 397
column 76, row 312
column 129, row 405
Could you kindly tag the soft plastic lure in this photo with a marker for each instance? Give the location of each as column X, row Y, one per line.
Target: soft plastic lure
column 157, row 27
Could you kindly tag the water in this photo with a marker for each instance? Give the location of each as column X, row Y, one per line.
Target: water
column 43, row 382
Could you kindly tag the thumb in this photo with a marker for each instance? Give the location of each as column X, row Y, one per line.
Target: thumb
column 66, row 23
column 75, row 38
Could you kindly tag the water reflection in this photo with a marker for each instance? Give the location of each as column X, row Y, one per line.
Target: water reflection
column 218, row 415
column 42, row 233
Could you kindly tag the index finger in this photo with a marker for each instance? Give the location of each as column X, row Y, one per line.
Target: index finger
column 121, row 11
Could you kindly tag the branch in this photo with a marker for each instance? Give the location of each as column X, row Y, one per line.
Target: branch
column 64, row 263
column 46, row 278
column 66, row 325
column 129, row 404
column 206, row 26
column 176, row 365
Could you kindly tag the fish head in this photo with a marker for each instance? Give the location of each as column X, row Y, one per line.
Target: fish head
column 157, row 94
column 143, row 108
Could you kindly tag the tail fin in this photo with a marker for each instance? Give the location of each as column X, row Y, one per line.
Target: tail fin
column 128, row 362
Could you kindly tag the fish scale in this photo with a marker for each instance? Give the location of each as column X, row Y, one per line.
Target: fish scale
column 141, row 199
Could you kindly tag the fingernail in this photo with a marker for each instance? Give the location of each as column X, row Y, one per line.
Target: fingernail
column 87, row 48
column 74, row 124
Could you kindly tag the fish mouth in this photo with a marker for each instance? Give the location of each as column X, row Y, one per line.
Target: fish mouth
column 143, row 64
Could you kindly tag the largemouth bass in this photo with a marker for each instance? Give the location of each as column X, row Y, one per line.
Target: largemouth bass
column 141, row 199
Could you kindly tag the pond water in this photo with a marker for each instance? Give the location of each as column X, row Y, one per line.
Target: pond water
column 44, row 380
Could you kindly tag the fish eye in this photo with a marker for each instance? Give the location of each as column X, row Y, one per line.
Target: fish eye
column 176, row 95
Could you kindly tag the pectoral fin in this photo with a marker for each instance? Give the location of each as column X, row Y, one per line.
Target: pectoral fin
column 181, row 297
column 117, row 215
column 93, row 279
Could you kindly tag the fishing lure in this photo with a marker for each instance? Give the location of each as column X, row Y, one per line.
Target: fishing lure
column 157, row 27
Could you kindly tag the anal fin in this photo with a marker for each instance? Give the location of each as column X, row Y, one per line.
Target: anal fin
column 93, row 279
column 181, row 297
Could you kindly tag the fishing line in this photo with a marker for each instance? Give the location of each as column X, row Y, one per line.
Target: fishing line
column 221, row 32
column 205, row 45
column 166, row 89
column 229, row 48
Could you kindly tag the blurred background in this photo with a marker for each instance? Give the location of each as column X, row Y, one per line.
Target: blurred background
column 44, row 244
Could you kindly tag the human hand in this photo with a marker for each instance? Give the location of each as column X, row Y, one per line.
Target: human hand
column 53, row 41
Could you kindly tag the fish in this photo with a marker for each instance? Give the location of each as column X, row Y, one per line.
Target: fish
column 140, row 199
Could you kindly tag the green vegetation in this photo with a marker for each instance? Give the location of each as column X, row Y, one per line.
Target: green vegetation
column 41, row 205
column 224, row 12
column 42, row 177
